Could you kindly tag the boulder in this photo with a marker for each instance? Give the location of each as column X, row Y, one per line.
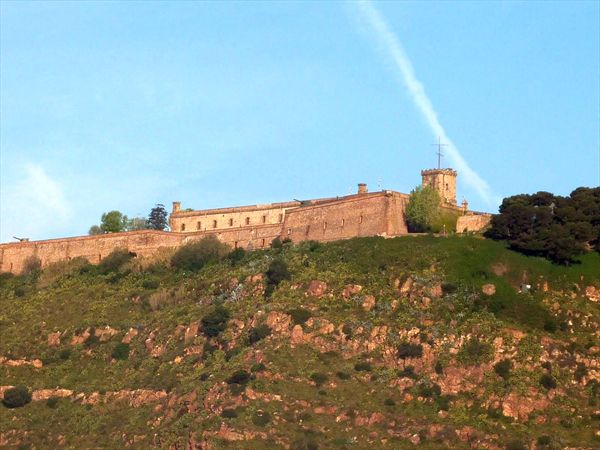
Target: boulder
column 368, row 302
column 316, row 288
column 406, row 286
column 133, row 332
column 488, row 289
column 351, row 290
column 592, row 293
column 297, row 335
column 191, row 332
column 104, row 334
column 54, row 339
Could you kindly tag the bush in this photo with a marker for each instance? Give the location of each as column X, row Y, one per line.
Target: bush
column 258, row 333
column 548, row 381
column 544, row 441
column 502, row 368
column 238, row 377
column 389, row 402
column 261, row 418
column 114, row 261
column 31, row 264
column 276, row 243
column 580, row 372
column 258, row 367
column 65, row 354
column 343, row 375
column 347, row 330
column 229, row 413
column 52, row 402
column 408, row 350
column 299, row 315
column 439, row 368
column 215, row 321
column 121, row 351
column 276, row 273
column 363, row 366
column 427, row 390
column 150, row 283
column 515, row 445
column 319, row 378
column 195, row 255
column 407, row 372
column 475, row 352
column 16, row 397
column 443, row 402
column 235, row 256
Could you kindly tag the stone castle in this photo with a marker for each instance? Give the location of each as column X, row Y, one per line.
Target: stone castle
column 380, row 213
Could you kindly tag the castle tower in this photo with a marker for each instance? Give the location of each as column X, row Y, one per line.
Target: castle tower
column 443, row 181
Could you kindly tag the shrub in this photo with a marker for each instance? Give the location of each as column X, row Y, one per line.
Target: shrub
column 121, row 351
column 276, row 243
column 65, row 354
column 229, row 413
column 343, row 375
column 408, row 350
column 544, row 441
column 236, row 255
column 439, row 368
column 258, row 333
column 407, row 372
column 299, row 315
column 443, row 402
column 502, row 368
column 548, row 381
column 515, row 445
column 114, row 261
column 150, row 283
column 547, row 365
column 215, row 321
column 158, row 299
column 363, row 366
column 475, row 352
column 347, row 330
column 195, row 255
column 258, row 367
column 427, row 390
column 580, row 372
column 389, row 402
column 319, row 378
column 238, row 377
column 261, row 418
column 52, row 402
column 31, row 264
column 276, row 273
column 16, row 397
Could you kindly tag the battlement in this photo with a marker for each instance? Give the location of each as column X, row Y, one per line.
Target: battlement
column 448, row 171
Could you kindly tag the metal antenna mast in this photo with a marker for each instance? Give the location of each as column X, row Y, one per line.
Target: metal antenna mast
column 439, row 153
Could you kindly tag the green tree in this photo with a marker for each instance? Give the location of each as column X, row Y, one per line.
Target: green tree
column 113, row 222
column 137, row 223
column 95, row 230
column 423, row 209
column 157, row 219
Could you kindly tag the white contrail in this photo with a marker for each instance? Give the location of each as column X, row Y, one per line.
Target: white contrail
column 391, row 45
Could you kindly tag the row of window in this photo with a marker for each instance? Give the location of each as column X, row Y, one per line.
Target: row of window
column 342, row 223
column 215, row 223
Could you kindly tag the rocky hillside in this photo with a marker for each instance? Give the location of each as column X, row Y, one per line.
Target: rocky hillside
column 368, row 343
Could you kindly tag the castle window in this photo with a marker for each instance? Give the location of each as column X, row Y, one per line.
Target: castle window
column 230, row 222
column 324, row 225
column 235, row 244
column 262, row 243
column 280, row 218
column 264, row 219
column 360, row 219
column 343, row 221
column 247, row 220
column 289, row 231
column 198, row 225
column 446, row 186
column 183, row 227
column 214, row 224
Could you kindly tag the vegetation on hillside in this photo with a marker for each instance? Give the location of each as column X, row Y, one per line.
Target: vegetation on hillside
column 357, row 344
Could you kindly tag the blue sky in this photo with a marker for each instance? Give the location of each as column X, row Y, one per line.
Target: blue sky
column 123, row 105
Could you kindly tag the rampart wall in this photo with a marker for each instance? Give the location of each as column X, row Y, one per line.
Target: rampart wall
column 472, row 222
column 380, row 213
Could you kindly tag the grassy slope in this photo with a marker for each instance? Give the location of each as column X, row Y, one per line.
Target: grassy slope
column 31, row 307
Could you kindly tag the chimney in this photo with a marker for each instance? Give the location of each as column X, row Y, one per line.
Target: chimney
column 362, row 188
column 176, row 207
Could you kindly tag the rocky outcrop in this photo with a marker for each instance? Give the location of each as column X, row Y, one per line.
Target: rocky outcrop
column 488, row 289
column 316, row 288
column 54, row 339
column 520, row 407
column 592, row 293
column 368, row 302
column 351, row 290
column 36, row 363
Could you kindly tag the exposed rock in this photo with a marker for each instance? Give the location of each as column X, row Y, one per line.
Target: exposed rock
column 415, row 439
column 254, row 278
column 82, row 337
column 435, row 290
column 45, row 394
column 105, row 334
column 488, row 289
column 406, row 286
column 133, row 332
column 316, row 288
column 54, row 339
column 278, row 322
column 425, row 302
column 592, row 293
column 4, row 389
column 350, row 290
column 368, row 302
column 457, row 379
column 519, row 407
column 191, row 332
column 37, row 363
column 297, row 335
column 499, row 269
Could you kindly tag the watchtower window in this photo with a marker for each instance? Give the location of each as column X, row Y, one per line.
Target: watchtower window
column 230, row 222
column 198, row 225
column 214, row 224
column 247, row 220
column 183, row 227
column 264, row 219
column 446, row 186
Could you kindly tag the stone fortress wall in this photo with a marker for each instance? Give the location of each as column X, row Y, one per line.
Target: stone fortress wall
column 362, row 214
